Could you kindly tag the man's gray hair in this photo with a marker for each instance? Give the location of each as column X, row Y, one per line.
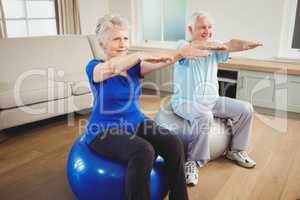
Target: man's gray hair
column 195, row 16
column 106, row 23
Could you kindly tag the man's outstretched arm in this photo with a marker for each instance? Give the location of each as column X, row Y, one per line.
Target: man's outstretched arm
column 235, row 45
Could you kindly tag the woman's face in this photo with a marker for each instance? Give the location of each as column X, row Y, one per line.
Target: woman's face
column 117, row 43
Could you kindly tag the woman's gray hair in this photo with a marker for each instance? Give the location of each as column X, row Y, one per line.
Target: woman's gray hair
column 106, row 23
column 195, row 16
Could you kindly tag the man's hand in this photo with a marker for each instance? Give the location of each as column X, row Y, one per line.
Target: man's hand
column 241, row 45
column 156, row 57
column 251, row 45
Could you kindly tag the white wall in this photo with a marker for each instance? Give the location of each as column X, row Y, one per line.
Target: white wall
column 259, row 20
column 90, row 11
column 123, row 7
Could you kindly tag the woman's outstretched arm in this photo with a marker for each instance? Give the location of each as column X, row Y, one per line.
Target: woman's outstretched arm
column 117, row 65
column 186, row 52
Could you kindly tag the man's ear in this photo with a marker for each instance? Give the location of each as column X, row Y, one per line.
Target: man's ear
column 190, row 28
column 101, row 44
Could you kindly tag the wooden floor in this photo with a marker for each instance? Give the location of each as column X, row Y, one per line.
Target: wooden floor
column 33, row 161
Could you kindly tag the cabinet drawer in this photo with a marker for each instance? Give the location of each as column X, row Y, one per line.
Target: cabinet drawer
column 257, row 88
column 293, row 92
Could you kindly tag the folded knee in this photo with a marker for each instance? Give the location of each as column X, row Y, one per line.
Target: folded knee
column 204, row 118
column 177, row 152
column 247, row 109
column 145, row 154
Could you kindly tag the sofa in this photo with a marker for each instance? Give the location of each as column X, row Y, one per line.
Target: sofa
column 44, row 77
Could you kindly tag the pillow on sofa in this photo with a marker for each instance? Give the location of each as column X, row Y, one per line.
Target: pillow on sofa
column 96, row 48
column 79, row 83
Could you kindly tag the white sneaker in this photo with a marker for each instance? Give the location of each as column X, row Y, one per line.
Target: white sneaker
column 241, row 158
column 191, row 173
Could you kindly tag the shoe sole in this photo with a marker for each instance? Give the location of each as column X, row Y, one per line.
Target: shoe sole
column 240, row 163
column 191, row 184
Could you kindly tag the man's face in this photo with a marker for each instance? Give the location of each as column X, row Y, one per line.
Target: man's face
column 202, row 29
column 118, row 43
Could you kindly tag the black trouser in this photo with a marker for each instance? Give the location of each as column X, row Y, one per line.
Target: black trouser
column 138, row 151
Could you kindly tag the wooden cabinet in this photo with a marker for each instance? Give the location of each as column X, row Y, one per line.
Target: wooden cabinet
column 270, row 90
column 257, row 88
column 293, row 90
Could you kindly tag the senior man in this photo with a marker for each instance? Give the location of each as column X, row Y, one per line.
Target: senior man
column 196, row 98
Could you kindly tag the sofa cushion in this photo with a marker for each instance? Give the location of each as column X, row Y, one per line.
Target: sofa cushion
column 79, row 83
column 32, row 90
column 35, row 112
column 60, row 54
column 80, row 87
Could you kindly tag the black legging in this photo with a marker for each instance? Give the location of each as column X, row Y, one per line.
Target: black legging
column 139, row 152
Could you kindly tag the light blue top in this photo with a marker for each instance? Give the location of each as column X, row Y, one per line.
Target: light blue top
column 196, row 79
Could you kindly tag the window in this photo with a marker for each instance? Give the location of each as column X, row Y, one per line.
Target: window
column 30, row 17
column 296, row 35
column 158, row 22
column 290, row 36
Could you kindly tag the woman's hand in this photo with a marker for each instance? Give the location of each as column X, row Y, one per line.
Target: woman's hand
column 156, row 57
column 154, row 61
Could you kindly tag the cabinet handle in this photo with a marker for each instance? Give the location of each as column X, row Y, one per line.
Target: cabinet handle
column 228, row 80
column 297, row 82
column 240, row 84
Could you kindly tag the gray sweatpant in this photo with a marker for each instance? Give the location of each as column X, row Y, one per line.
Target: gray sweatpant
column 200, row 117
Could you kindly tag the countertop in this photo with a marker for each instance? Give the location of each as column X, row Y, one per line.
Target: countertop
column 289, row 68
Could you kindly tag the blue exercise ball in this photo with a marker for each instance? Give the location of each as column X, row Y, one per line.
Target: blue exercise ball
column 93, row 177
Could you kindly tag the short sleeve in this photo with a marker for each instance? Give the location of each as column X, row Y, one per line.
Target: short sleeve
column 90, row 69
column 181, row 43
column 136, row 70
column 221, row 56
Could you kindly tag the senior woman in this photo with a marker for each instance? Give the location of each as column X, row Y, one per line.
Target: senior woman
column 117, row 127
